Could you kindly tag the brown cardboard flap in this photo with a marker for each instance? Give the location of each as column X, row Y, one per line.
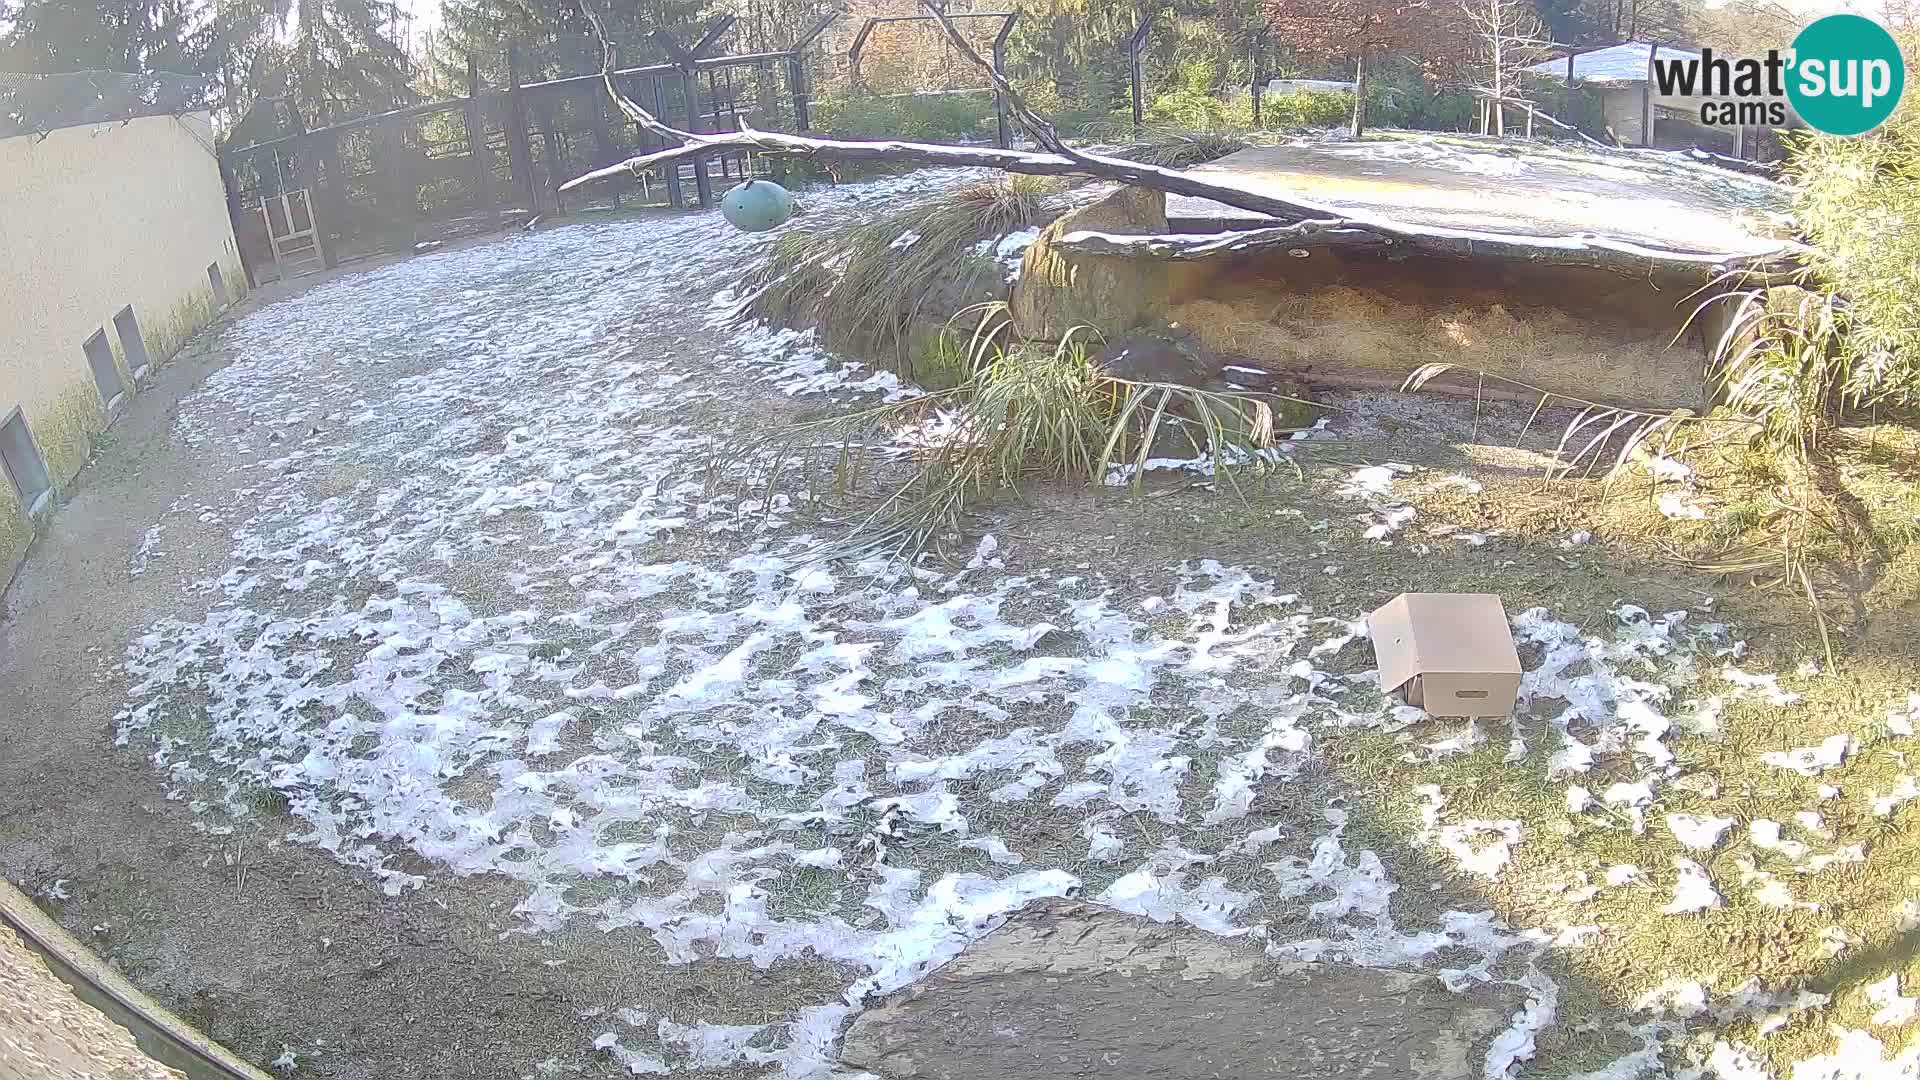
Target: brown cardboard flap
column 1453, row 652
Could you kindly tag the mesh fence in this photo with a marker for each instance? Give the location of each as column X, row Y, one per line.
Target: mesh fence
column 37, row 104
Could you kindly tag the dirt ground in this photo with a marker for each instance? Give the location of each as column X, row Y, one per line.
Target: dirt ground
column 258, row 944
column 374, row 431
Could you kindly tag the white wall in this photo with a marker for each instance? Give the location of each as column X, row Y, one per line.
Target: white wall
column 94, row 218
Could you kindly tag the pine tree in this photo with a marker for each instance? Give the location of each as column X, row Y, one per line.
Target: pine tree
column 342, row 59
column 109, row 35
column 553, row 36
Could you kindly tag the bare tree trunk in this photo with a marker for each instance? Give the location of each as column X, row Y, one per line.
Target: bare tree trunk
column 1359, row 123
column 1499, row 88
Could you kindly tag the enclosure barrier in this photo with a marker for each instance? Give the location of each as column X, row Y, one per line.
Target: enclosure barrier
column 435, row 170
column 1003, row 136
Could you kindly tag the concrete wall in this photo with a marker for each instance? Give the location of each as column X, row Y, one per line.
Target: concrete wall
column 92, row 219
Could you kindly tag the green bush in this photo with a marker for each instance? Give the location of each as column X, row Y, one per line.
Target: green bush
column 1858, row 201
column 1190, row 109
column 921, row 117
column 1421, row 108
column 1303, row 109
column 1398, row 107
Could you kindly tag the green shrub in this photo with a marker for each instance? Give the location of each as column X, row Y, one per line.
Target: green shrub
column 1190, row 110
column 1302, row 109
column 1421, row 108
column 874, row 296
column 920, row 117
column 1399, row 107
column 1858, row 201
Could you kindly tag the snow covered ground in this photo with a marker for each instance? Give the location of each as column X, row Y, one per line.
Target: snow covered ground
column 484, row 614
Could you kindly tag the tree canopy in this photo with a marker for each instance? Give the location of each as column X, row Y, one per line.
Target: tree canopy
column 336, row 58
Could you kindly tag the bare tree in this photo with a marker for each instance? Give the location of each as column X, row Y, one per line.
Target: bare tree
column 1509, row 38
column 1365, row 29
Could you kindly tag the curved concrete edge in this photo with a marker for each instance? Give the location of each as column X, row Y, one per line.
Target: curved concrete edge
column 160, row 1034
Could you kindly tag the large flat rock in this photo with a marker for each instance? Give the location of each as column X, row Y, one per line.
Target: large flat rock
column 1505, row 188
column 1071, row 989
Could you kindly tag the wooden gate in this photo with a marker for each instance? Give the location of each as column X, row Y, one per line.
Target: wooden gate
column 291, row 233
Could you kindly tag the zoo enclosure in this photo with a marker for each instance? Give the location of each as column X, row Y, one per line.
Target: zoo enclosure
column 497, row 156
column 997, row 52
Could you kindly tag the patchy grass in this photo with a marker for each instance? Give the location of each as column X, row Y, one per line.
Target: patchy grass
column 1167, row 146
column 885, row 287
column 1636, row 947
column 1026, row 411
column 1636, row 554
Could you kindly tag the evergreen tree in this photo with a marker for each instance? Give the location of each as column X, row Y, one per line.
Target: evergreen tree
column 110, row 35
column 1073, row 46
column 554, row 36
column 336, row 58
column 342, row 58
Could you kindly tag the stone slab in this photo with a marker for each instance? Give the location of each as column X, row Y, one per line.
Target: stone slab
column 1071, row 989
column 1508, row 188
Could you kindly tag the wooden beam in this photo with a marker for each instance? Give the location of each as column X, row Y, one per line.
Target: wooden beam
column 720, row 25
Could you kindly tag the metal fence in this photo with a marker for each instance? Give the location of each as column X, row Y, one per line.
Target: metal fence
column 498, row 155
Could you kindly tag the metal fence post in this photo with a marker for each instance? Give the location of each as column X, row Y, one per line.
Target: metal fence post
column 690, row 89
column 479, row 157
column 1000, row 68
column 332, row 204
column 1254, row 87
column 402, row 187
column 797, row 84
column 556, row 152
column 519, row 147
column 234, row 214
column 1646, row 97
column 1136, row 78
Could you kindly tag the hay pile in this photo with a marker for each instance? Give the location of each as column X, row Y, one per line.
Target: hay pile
column 1357, row 335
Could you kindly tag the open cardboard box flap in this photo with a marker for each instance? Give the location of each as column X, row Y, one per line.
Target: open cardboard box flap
column 1452, row 652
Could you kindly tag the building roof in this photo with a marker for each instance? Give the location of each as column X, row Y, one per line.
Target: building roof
column 1621, row 64
column 36, row 104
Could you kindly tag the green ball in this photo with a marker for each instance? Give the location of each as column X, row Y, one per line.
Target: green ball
column 756, row 206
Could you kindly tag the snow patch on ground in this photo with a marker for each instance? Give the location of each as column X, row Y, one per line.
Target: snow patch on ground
column 486, row 616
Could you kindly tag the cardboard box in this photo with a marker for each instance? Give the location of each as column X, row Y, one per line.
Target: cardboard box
column 1452, row 652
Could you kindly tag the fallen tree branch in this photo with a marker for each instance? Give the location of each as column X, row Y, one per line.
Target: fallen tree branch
column 1184, row 247
column 1039, row 127
column 1328, row 224
column 1017, row 161
column 1578, row 251
column 1058, row 158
